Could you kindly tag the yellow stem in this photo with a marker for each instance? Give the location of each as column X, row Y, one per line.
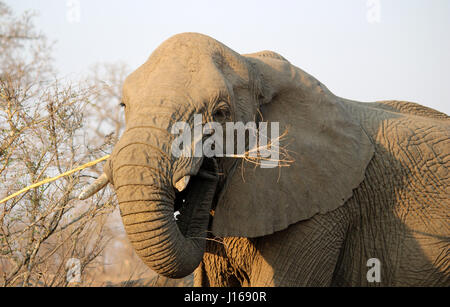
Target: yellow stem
column 35, row 185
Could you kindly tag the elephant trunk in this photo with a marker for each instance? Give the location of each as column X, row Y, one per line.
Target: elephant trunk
column 154, row 234
column 147, row 198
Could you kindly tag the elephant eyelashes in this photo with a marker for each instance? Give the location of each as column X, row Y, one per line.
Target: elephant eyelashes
column 222, row 112
column 220, row 116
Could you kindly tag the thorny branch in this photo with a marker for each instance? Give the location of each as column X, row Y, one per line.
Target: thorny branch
column 41, row 121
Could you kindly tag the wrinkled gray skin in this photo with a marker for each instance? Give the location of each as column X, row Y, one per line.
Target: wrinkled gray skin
column 370, row 180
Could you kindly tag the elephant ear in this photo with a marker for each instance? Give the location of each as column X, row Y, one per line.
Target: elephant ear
column 330, row 149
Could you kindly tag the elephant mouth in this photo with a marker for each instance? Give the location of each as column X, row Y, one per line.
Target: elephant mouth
column 200, row 194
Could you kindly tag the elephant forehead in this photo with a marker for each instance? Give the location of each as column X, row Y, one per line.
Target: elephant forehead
column 182, row 82
column 200, row 73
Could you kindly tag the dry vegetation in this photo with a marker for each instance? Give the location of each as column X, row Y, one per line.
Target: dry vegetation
column 49, row 126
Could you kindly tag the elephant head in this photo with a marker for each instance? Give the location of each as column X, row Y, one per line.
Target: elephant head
column 193, row 74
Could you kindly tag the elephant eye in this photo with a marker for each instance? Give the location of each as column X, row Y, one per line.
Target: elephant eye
column 222, row 113
column 122, row 104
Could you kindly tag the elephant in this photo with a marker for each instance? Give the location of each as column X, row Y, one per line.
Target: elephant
column 363, row 202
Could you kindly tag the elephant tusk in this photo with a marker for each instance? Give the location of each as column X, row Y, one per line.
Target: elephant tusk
column 94, row 187
column 182, row 183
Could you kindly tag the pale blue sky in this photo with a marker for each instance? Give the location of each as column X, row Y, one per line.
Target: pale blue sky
column 405, row 56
